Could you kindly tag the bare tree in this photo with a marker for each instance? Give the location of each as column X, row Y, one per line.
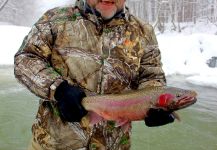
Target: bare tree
column 156, row 12
column 176, row 12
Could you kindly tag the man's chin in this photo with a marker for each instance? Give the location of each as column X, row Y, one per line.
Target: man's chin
column 107, row 13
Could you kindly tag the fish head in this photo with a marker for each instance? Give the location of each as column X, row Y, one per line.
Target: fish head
column 176, row 98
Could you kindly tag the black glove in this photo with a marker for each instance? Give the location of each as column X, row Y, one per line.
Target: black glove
column 158, row 117
column 69, row 99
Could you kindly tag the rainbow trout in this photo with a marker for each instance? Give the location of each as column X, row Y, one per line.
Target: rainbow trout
column 134, row 105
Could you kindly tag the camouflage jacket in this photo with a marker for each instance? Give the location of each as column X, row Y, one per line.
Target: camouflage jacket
column 101, row 57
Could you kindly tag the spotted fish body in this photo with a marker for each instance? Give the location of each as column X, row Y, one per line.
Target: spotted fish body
column 134, row 105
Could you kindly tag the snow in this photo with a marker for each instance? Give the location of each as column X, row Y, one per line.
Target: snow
column 185, row 54
column 188, row 55
column 11, row 38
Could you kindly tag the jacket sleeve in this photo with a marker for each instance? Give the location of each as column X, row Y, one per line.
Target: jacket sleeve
column 151, row 72
column 32, row 66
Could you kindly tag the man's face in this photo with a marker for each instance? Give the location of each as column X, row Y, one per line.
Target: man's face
column 107, row 8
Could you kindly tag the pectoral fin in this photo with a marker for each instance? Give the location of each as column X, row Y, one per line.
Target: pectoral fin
column 94, row 118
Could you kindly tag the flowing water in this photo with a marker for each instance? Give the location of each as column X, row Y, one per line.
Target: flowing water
column 196, row 131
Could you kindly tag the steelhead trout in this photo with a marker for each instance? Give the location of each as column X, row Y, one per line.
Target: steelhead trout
column 134, row 105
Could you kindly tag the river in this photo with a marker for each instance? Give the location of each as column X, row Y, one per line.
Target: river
column 196, row 131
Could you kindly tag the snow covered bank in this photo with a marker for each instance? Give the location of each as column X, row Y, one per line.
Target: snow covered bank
column 188, row 54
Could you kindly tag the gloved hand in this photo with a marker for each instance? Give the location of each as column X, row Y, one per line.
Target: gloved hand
column 158, row 117
column 69, row 99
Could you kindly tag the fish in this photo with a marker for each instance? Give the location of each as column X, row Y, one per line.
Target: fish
column 134, row 105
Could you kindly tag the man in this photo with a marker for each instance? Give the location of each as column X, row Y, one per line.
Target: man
column 98, row 47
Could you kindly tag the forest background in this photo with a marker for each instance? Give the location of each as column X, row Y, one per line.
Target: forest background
column 162, row 14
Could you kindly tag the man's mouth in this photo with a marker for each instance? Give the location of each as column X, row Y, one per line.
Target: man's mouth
column 107, row 2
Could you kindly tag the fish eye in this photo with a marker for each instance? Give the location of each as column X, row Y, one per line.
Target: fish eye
column 178, row 94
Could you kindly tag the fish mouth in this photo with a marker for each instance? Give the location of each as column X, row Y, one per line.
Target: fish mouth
column 184, row 102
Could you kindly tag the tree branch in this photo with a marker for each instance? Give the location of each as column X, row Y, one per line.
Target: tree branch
column 2, row 5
